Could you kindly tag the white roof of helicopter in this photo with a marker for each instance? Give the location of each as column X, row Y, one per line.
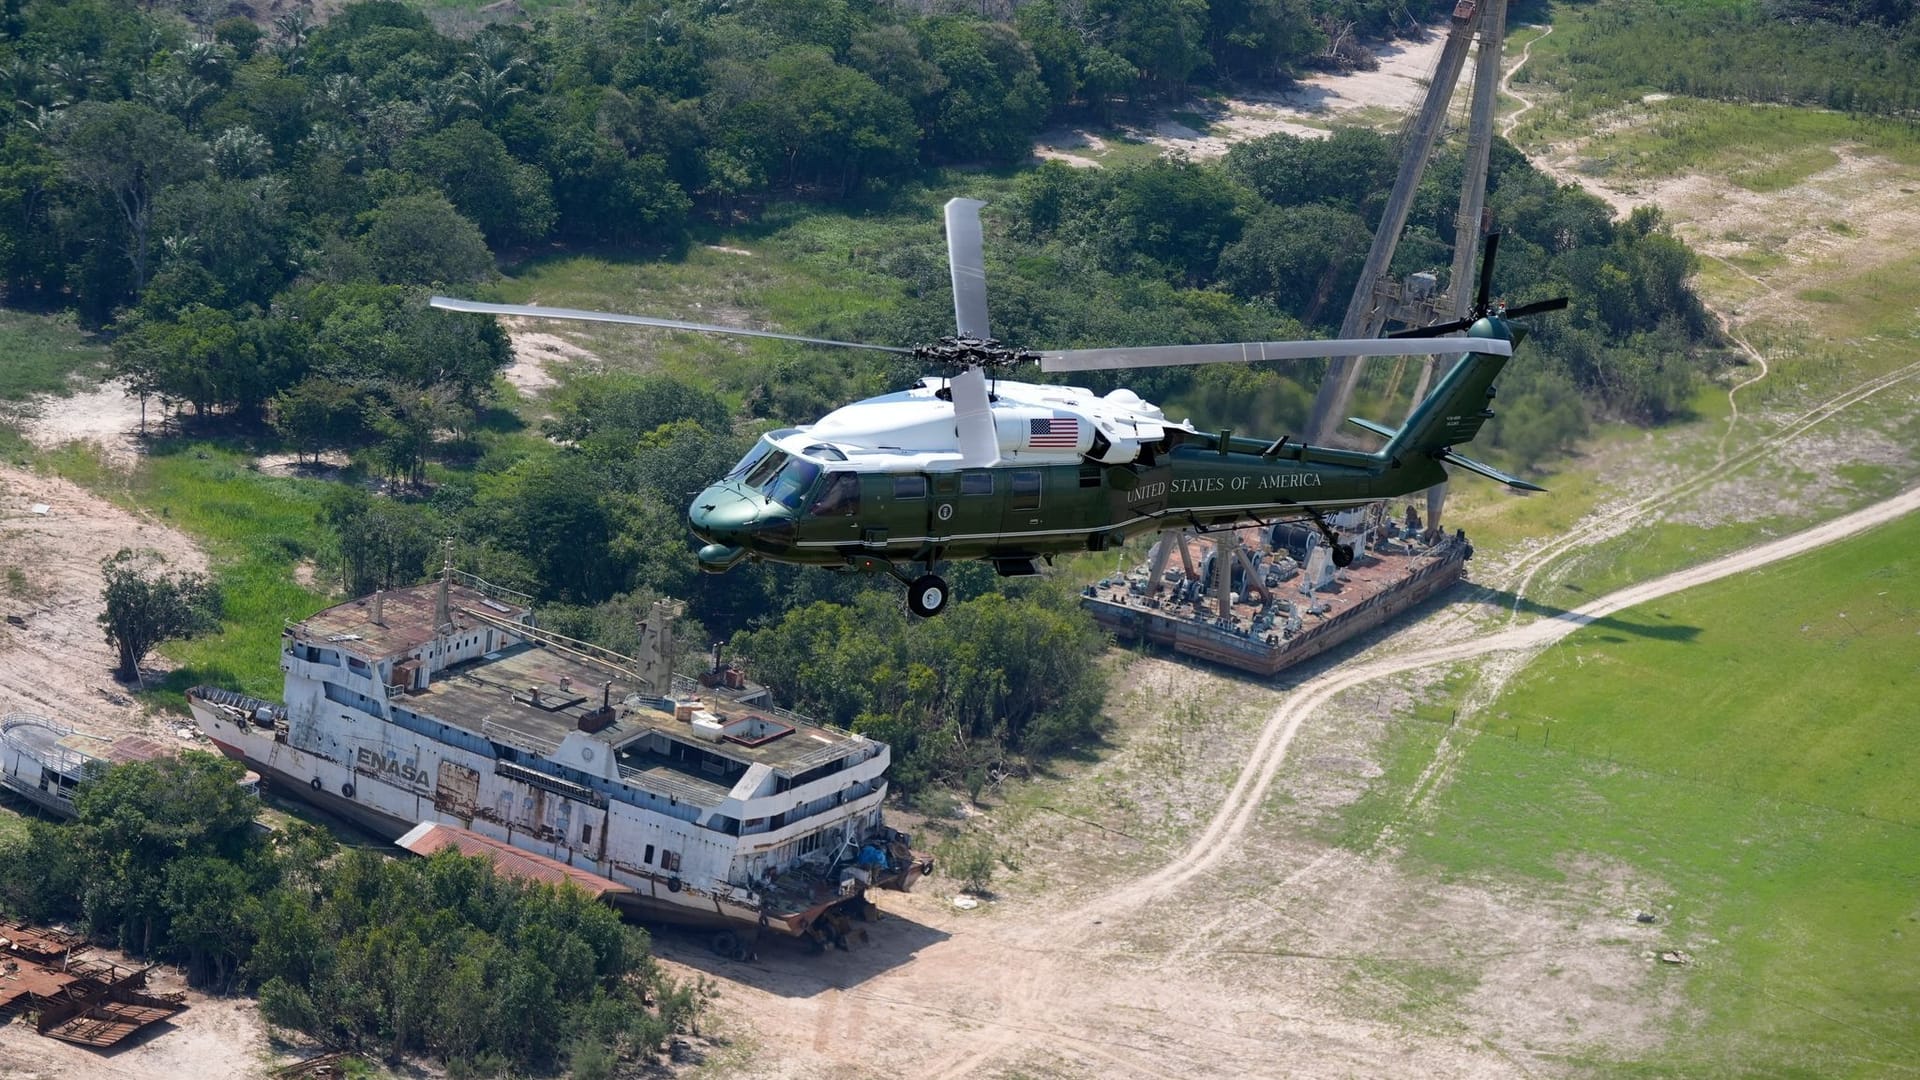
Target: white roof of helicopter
column 916, row 428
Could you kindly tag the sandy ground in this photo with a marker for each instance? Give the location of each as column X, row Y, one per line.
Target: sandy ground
column 534, row 350
column 1397, row 87
column 1251, row 948
column 58, row 664
column 107, row 416
column 214, row 1039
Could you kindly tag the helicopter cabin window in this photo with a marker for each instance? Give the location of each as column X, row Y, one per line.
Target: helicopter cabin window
column 761, row 471
column 976, row 483
column 791, row 484
column 760, row 449
column 909, row 487
column 1026, row 490
column 840, row 498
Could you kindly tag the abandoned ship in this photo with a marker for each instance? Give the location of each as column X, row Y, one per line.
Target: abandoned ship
column 445, row 706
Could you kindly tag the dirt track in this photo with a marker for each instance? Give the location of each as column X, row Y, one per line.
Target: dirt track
column 1138, row 980
column 57, row 663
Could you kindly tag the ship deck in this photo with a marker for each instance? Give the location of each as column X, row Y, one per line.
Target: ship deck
column 1384, row 581
column 493, row 696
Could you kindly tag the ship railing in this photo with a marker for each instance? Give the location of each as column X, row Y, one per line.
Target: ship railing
column 520, row 740
column 498, row 592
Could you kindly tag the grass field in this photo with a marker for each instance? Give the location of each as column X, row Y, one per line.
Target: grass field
column 45, row 354
column 255, row 528
column 1747, row 750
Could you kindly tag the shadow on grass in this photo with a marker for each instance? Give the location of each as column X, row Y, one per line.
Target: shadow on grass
column 1662, row 629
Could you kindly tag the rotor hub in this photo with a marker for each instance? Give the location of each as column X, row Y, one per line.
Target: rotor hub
column 973, row 352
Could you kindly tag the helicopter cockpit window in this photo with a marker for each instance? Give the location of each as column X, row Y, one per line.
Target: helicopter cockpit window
column 763, row 470
column 760, row 449
column 789, row 487
column 841, row 498
column 909, row 487
column 976, row 483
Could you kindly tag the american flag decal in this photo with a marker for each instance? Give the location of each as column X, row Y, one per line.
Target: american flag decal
column 1053, row 434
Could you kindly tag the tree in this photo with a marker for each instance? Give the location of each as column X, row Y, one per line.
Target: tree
column 146, row 606
column 136, row 821
column 383, row 544
column 511, row 202
column 128, row 154
column 423, row 240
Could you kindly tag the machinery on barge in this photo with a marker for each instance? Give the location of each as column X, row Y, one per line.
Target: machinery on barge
column 1265, row 598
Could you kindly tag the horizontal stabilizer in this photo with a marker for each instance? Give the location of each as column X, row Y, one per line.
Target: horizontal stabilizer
column 1381, row 430
column 1486, row 470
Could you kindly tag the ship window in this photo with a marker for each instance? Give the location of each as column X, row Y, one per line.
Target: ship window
column 809, row 842
column 726, row 824
column 976, row 483
column 669, row 860
column 841, row 497
column 910, row 487
column 586, row 834
column 1026, row 490
column 648, row 858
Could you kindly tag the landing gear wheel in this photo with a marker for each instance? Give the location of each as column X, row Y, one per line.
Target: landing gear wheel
column 927, row 595
column 1342, row 555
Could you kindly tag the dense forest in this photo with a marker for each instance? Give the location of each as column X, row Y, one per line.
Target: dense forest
column 431, row 956
column 255, row 215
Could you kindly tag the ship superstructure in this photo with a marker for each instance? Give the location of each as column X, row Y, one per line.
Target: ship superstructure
column 447, row 703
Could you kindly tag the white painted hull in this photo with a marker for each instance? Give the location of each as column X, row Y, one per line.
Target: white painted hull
column 396, row 779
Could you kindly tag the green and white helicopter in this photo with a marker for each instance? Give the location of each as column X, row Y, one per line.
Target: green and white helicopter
column 1016, row 472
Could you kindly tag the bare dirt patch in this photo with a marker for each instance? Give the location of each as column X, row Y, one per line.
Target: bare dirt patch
column 56, row 663
column 214, row 1039
column 534, row 350
column 108, row 417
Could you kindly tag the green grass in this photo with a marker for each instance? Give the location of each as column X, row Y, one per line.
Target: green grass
column 1763, row 148
column 255, row 529
column 13, row 827
column 45, row 354
column 1751, row 747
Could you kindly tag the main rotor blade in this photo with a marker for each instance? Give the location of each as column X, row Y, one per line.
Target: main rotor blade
column 1434, row 331
column 1485, row 296
column 967, row 259
column 1536, row 307
column 449, row 303
column 1247, row 352
column 973, row 416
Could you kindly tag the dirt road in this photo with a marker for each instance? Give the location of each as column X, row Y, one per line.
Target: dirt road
column 55, row 661
column 1152, row 978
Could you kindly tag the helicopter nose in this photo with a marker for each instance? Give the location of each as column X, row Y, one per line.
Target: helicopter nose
column 722, row 515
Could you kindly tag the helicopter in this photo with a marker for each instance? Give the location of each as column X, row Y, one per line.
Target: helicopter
column 953, row 468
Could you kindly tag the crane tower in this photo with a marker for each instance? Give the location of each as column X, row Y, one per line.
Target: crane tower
column 1379, row 299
